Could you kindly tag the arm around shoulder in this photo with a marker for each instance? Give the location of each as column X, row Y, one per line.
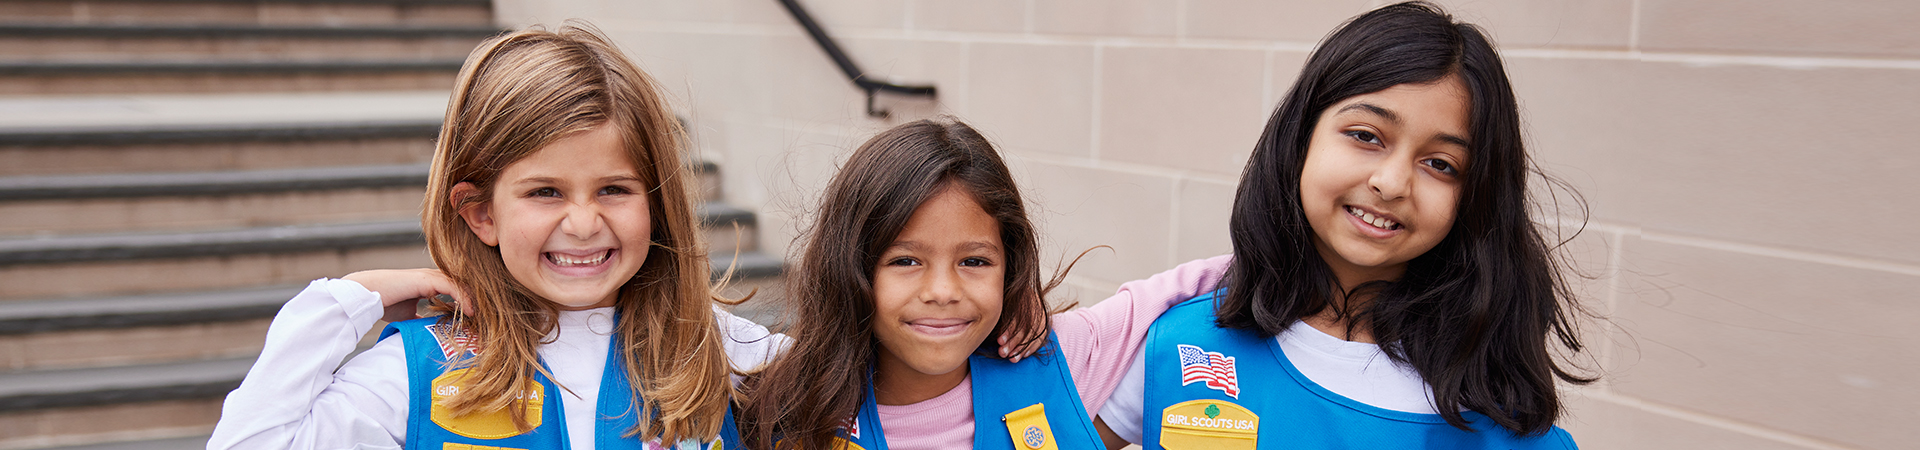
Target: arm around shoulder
column 292, row 397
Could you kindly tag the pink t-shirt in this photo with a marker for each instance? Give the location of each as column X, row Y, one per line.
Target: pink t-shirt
column 1098, row 342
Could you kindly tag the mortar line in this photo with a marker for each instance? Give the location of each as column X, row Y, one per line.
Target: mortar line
column 1633, row 27
column 1855, row 262
column 1099, row 84
column 1723, row 423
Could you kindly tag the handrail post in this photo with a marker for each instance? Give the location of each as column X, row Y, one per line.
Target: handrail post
column 853, row 72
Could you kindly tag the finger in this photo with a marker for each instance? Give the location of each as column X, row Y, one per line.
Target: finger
column 444, row 286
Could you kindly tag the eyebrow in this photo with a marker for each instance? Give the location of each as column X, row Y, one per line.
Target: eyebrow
column 1394, row 118
column 553, row 180
column 964, row 246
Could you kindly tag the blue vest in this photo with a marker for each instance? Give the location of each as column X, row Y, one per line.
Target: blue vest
column 429, row 345
column 1003, row 394
column 1196, row 397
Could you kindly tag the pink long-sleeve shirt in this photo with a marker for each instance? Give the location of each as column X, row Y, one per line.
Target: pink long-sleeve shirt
column 1098, row 343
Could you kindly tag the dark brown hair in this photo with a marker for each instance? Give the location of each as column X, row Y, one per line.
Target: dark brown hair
column 516, row 94
column 1473, row 315
column 820, row 382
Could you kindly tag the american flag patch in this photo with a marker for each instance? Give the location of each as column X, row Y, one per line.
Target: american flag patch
column 1214, row 369
column 454, row 340
column 852, row 426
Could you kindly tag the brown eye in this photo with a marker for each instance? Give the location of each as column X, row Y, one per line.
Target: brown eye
column 544, row 192
column 903, row 262
column 1443, row 166
column 1364, row 136
column 975, row 262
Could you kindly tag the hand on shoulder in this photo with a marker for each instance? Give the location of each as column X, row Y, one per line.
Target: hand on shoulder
column 401, row 289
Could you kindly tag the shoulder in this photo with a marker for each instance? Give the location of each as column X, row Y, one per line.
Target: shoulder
column 410, row 327
column 1197, row 308
column 1559, row 438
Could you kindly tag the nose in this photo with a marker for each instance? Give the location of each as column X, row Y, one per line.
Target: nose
column 943, row 287
column 1391, row 178
column 583, row 220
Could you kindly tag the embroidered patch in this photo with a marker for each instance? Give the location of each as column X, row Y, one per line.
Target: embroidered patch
column 453, row 340
column 851, row 426
column 1028, row 426
column 488, row 424
column 685, row 444
column 454, row 446
column 1214, row 369
column 841, row 443
column 1208, row 424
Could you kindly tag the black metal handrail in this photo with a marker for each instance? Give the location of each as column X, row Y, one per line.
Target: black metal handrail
column 859, row 78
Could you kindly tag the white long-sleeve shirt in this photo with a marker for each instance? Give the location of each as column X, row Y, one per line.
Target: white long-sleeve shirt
column 293, row 398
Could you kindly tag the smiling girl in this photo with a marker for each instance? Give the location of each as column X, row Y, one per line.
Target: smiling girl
column 920, row 263
column 559, row 212
column 1389, row 289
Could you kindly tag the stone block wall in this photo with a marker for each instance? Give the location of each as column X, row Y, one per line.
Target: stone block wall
column 1750, row 166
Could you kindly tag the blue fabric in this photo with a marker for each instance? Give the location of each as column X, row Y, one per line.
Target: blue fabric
column 1294, row 412
column 426, row 361
column 1001, row 387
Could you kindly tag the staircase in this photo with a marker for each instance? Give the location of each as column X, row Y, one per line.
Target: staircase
column 171, row 171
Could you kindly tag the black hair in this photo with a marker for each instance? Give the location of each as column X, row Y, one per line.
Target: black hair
column 1473, row 315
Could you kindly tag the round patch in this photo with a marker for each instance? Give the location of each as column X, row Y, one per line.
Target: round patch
column 1033, row 437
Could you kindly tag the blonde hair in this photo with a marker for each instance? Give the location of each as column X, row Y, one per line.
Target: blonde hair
column 516, row 94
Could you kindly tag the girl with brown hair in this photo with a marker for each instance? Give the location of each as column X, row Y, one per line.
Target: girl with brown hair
column 921, row 262
column 559, row 211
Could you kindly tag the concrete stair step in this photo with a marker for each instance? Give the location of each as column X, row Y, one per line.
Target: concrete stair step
column 67, row 388
column 75, row 406
column 276, row 12
column 129, row 311
column 20, row 42
column 129, row 263
column 717, row 222
column 195, row 442
column 109, row 77
column 69, row 134
column 161, row 184
column 131, row 423
column 95, row 203
column 86, row 248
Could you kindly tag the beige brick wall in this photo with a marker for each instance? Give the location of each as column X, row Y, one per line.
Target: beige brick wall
column 1750, row 165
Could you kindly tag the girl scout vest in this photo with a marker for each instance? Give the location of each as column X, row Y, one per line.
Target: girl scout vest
column 1034, row 400
column 1195, row 398
column 429, row 344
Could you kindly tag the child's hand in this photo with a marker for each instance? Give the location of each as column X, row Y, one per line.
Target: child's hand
column 1015, row 354
column 401, row 290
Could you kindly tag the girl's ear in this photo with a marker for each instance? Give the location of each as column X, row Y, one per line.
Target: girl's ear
column 478, row 216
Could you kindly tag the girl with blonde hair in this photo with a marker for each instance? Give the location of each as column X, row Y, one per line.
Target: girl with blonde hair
column 559, row 211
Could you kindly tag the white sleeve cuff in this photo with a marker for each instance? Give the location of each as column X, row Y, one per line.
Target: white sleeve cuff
column 362, row 306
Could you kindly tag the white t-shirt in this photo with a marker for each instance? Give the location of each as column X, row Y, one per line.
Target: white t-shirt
column 1355, row 370
column 292, row 398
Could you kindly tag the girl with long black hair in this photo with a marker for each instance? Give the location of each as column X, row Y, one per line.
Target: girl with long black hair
column 1388, row 287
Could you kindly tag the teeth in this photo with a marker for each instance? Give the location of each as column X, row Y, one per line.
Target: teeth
column 565, row 260
column 1374, row 220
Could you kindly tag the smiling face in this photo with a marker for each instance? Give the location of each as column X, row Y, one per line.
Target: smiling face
column 1382, row 177
column 570, row 220
column 937, row 295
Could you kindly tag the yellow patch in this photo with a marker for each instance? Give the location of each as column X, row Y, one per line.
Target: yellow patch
column 453, row 446
column 482, row 425
column 1208, row 424
column 1028, row 428
column 840, row 443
